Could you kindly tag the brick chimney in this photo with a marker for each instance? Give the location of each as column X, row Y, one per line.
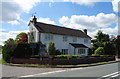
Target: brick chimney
column 34, row 19
column 85, row 31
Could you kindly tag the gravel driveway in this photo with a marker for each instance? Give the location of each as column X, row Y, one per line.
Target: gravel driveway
column 12, row 71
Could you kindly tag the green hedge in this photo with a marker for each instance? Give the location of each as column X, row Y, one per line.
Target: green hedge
column 19, row 50
column 70, row 56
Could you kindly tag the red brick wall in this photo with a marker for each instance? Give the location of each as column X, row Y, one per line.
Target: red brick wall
column 72, row 61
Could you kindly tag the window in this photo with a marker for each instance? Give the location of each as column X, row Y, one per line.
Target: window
column 39, row 37
column 48, row 37
column 81, row 51
column 74, row 39
column 86, row 40
column 65, row 51
column 64, row 38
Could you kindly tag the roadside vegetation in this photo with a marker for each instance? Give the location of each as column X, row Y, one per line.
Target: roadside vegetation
column 0, row 49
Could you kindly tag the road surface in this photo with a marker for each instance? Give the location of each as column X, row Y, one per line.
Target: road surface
column 109, row 71
column 13, row 71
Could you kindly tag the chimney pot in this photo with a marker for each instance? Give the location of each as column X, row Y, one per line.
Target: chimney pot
column 85, row 31
column 34, row 19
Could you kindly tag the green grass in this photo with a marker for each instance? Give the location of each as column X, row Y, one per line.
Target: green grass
column 2, row 61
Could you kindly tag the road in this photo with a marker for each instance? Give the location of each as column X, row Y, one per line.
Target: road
column 13, row 71
column 95, row 72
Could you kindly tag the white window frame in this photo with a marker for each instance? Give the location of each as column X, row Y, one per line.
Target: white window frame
column 48, row 37
column 65, row 38
column 65, row 51
column 81, row 51
column 86, row 41
column 74, row 39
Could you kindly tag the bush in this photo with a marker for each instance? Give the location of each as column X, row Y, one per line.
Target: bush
column 18, row 50
column 67, row 56
column 58, row 52
column 8, row 51
column 51, row 48
column 99, row 51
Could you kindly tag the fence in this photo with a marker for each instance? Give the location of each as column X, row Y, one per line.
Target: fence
column 63, row 61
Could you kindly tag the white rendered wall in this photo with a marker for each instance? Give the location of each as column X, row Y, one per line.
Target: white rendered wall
column 60, row 44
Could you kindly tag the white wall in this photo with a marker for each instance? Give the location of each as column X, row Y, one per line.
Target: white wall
column 36, row 32
column 58, row 40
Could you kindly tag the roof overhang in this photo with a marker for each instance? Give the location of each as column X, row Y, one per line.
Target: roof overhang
column 76, row 45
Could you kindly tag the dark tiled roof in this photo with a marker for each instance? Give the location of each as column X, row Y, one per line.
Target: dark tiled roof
column 78, row 45
column 48, row 28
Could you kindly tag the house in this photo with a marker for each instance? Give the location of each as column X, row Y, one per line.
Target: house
column 68, row 41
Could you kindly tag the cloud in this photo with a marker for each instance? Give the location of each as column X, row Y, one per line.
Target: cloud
column 106, row 30
column 45, row 20
column 91, row 2
column 14, row 22
column 89, row 22
column 11, row 10
column 92, row 23
column 115, row 5
column 83, row 2
column 11, row 34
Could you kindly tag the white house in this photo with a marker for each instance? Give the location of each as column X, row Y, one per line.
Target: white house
column 69, row 41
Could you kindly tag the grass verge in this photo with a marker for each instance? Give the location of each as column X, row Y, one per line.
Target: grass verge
column 56, row 66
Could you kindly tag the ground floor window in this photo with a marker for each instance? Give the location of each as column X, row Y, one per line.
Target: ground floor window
column 65, row 51
column 81, row 51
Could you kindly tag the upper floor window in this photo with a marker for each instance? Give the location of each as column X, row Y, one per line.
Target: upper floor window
column 48, row 37
column 74, row 39
column 86, row 40
column 64, row 38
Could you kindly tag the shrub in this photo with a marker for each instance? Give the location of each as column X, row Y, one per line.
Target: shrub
column 51, row 48
column 99, row 51
column 8, row 51
column 58, row 52
column 66, row 56
column 18, row 50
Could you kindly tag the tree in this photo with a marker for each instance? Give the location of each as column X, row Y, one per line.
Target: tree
column 99, row 51
column 117, row 45
column 9, row 41
column 22, row 38
column 100, row 40
column 51, row 48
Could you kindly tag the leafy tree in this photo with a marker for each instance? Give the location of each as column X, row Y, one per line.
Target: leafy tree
column 51, row 48
column 9, row 41
column 99, row 51
column 100, row 40
column 109, row 48
column 117, row 45
column 22, row 38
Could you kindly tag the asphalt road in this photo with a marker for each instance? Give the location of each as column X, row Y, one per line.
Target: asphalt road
column 13, row 71
column 95, row 72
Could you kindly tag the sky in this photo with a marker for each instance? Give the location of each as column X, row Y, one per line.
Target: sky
column 92, row 15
